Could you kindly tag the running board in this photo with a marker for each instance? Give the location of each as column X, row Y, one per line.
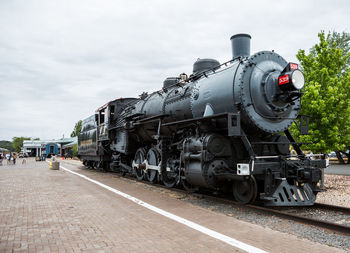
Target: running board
column 290, row 195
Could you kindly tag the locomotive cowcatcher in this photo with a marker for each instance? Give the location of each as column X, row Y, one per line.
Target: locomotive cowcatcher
column 224, row 128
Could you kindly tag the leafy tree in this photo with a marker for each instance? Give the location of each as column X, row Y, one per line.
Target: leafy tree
column 75, row 150
column 17, row 142
column 7, row 145
column 342, row 41
column 326, row 95
column 338, row 40
column 77, row 129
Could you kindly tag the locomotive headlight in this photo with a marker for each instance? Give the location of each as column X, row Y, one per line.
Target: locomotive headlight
column 298, row 79
column 292, row 80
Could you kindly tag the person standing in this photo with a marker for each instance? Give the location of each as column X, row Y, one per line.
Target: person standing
column 14, row 158
column 24, row 160
column 11, row 159
column 8, row 158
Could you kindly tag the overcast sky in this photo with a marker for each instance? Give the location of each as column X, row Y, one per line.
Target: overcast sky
column 60, row 60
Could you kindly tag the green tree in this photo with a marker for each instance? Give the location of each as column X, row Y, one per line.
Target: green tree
column 77, row 129
column 75, row 150
column 17, row 142
column 342, row 41
column 7, row 145
column 326, row 95
column 338, row 40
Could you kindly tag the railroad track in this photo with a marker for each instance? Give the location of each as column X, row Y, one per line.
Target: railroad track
column 345, row 210
column 331, row 226
column 336, row 227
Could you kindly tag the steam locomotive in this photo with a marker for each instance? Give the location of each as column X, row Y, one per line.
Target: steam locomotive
column 224, row 128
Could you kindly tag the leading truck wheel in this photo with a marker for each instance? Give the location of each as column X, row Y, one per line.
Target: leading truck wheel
column 139, row 159
column 245, row 191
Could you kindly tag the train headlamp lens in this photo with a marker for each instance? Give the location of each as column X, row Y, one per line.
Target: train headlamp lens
column 292, row 80
column 297, row 79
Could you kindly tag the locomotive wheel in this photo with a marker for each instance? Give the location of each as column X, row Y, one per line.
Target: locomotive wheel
column 187, row 186
column 91, row 164
column 140, row 158
column 170, row 178
column 100, row 166
column 152, row 176
column 153, row 158
column 169, row 181
column 245, row 191
column 105, row 166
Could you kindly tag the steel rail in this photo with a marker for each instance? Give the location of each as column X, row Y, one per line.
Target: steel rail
column 315, row 222
column 343, row 209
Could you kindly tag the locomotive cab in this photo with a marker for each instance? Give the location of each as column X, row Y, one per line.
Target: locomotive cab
column 102, row 123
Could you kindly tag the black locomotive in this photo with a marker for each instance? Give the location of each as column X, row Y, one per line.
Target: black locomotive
column 224, row 127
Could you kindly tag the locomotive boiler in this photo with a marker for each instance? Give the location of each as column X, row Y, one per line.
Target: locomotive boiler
column 224, row 127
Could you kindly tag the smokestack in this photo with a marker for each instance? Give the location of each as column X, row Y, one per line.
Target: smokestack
column 240, row 45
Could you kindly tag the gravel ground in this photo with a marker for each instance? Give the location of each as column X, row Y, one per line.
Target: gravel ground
column 300, row 230
column 337, row 191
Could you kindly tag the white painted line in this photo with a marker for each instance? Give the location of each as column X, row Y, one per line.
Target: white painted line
column 226, row 239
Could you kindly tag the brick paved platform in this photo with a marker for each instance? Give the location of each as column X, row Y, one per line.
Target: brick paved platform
column 54, row 211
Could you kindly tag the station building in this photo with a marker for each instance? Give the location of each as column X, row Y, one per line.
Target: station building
column 4, row 150
column 49, row 147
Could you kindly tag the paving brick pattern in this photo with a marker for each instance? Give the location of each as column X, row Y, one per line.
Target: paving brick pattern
column 42, row 210
column 49, row 211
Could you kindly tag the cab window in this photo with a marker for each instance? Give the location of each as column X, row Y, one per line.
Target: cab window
column 102, row 116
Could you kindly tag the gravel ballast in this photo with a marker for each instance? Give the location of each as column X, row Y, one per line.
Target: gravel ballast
column 337, row 191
